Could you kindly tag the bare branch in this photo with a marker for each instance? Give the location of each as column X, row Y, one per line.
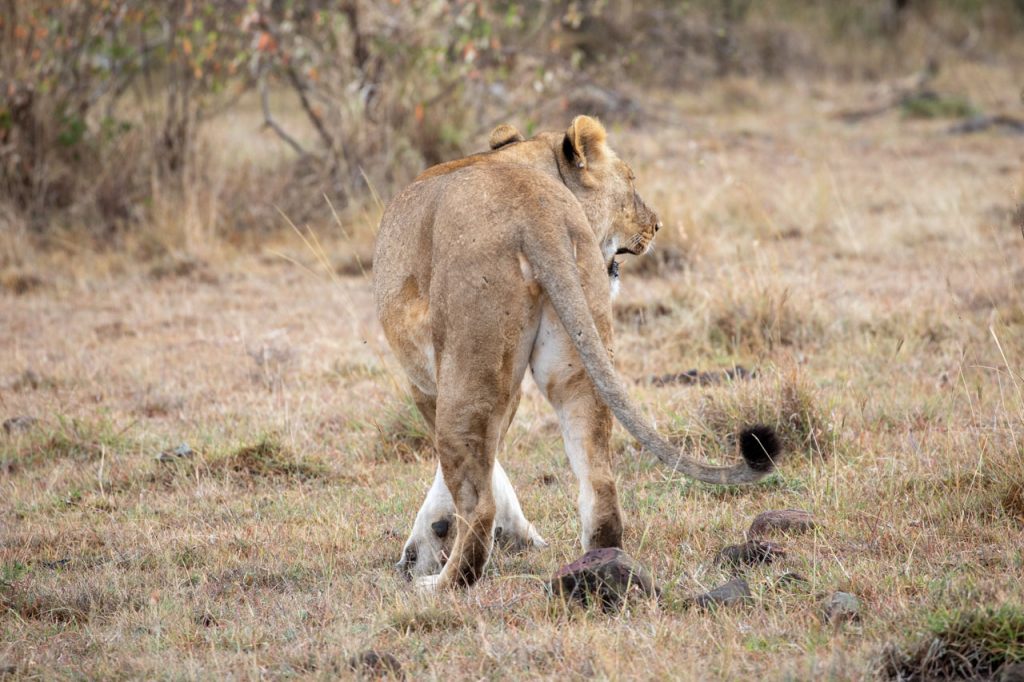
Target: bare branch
column 300, row 90
column 268, row 119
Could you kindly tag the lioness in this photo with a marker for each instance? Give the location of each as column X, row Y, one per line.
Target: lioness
column 495, row 262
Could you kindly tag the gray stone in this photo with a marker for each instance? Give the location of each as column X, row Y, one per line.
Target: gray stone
column 790, row 521
column 840, row 607
column 736, row 591
column 181, row 452
column 603, row 576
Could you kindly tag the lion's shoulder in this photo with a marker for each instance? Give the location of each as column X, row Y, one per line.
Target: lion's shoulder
column 507, row 146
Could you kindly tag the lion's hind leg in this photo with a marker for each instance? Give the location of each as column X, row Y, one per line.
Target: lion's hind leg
column 586, row 431
column 469, row 426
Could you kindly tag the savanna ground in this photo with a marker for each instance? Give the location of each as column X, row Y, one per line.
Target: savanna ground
column 872, row 274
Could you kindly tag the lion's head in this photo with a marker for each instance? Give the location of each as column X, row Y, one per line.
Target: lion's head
column 606, row 187
column 604, row 184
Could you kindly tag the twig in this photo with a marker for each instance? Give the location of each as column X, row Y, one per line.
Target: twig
column 268, row 119
column 978, row 123
column 300, row 90
column 903, row 91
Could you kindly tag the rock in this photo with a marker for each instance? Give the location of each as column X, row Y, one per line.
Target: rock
column 19, row 424
column 606, row 575
column 749, row 554
column 376, row 664
column 840, row 607
column 736, row 591
column 181, row 452
column 781, row 520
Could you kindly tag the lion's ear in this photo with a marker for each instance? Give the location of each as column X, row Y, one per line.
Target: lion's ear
column 503, row 135
column 584, row 141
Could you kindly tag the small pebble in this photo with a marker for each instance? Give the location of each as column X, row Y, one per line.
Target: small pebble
column 183, row 451
column 840, row 607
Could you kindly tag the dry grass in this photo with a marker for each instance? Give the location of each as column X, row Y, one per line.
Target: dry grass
column 869, row 274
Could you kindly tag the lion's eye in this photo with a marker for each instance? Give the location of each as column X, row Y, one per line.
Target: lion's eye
column 440, row 528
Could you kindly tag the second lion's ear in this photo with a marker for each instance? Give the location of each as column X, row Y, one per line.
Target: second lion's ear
column 584, row 141
column 504, row 134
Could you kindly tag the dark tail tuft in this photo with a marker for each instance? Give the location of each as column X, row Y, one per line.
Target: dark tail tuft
column 759, row 446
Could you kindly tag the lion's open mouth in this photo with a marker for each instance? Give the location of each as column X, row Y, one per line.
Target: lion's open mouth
column 637, row 249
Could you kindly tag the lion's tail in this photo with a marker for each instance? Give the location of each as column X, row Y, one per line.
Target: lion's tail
column 553, row 266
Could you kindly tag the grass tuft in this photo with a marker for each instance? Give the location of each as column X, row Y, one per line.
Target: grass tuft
column 429, row 619
column 787, row 403
column 933, row 105
column 404, row 435
column 72, row 440
column 20, row 282
column 1013, row 501
column 71, row 602
column 960, row 646
column 268, row 458
column 757, row 320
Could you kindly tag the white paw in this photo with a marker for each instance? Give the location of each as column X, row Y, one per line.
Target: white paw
column 537, row 541
column 427, row 583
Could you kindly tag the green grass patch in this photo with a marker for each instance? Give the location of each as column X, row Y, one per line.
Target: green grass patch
column 933, row 105
column 71, row 439
column 10, row 572
column 269, row 458
column 429, row 619
column 783, row 400
column 960, row 645
column 404, row 435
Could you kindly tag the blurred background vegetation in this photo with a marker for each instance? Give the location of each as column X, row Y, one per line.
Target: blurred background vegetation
column 133, row 121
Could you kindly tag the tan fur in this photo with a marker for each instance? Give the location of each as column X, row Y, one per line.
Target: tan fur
column 497, row 261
